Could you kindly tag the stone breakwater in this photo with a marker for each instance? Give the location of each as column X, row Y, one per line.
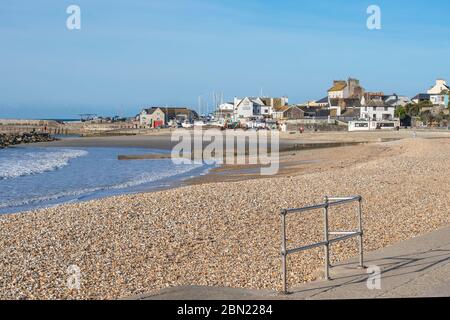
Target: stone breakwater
column 222, row 234
column 32, row 137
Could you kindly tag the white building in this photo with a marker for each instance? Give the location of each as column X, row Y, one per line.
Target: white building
column 340, row 90
column 229, row 106
column 366, row 125
column 248, row 107
column 441, row 85
column 439, row 100
column 377, row 110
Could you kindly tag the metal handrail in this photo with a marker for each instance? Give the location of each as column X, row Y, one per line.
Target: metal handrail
column 341, row 235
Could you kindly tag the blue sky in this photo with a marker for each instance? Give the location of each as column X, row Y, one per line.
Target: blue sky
column 130, row 54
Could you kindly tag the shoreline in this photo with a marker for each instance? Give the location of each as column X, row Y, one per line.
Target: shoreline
column 311, row 154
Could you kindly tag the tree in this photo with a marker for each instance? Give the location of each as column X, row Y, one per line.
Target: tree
column 412, row 109
column 400, row 113
column 426, row 116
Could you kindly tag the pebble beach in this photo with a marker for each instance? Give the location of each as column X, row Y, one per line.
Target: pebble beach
column 223, row 233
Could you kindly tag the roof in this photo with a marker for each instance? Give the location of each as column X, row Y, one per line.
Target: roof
column 351, row 113
column 151, row 110
column 172, row 111
column 323, row 100
column 257, row 101
column 346, row 102
column 352, row 102
column 338, row 86
column 377, row 103
column 422, row 96
column 282, row 108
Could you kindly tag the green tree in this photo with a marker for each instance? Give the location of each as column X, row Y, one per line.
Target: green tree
column 413, row 109
column 400, row 113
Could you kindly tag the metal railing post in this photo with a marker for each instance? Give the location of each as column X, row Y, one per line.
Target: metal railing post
column 326, row 239
column 336, row 236
column 283, row 250
column 361, row 246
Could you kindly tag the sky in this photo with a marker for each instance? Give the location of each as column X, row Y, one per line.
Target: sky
column 137, row 53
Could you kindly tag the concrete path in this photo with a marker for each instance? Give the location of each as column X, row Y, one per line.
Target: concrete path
column 419, row 267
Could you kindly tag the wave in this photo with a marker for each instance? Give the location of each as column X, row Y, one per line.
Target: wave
column 77, row 195
column 36, row 162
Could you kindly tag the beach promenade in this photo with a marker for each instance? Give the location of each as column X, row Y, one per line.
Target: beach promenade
column 225, row 234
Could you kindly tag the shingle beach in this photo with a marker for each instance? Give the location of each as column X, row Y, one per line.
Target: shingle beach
column 221, row 234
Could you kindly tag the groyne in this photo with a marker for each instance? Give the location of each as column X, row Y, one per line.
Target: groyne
column 31, row 137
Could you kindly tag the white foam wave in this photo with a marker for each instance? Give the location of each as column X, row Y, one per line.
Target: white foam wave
column 142, row 179
column 30, row 163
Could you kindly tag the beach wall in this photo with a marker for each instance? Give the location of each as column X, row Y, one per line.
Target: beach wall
column 19, row 126
column 315, row 125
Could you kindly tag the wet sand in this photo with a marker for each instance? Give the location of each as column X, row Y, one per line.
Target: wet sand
column 288, row 141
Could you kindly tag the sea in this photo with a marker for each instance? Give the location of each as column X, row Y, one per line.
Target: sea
column 35, row 177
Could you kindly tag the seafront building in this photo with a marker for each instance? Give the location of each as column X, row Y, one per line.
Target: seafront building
column 438, row 94
column 346, row 101
column 344, row 95
column 378, row 110
column 439, row 87
column 155, row 117
column 152, row 118
column 248, row 108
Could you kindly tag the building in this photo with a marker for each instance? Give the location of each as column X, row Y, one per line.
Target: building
column 346, row 89
column 152, row 117
column 440, row 87
column 338, row 107
column 275, row 102
column 251, row 107
column 288, row 113
column 179, row 114
column 377, row 110
column 369, row 96
column 344, row 95
column 396, row 100
column 421, row 97
column 322, row 103
column 314, row 112
column 355, row 89
column 339, row 90
column 224, row 111
column 171, row 114
column 439, row 100
column 228, row 106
